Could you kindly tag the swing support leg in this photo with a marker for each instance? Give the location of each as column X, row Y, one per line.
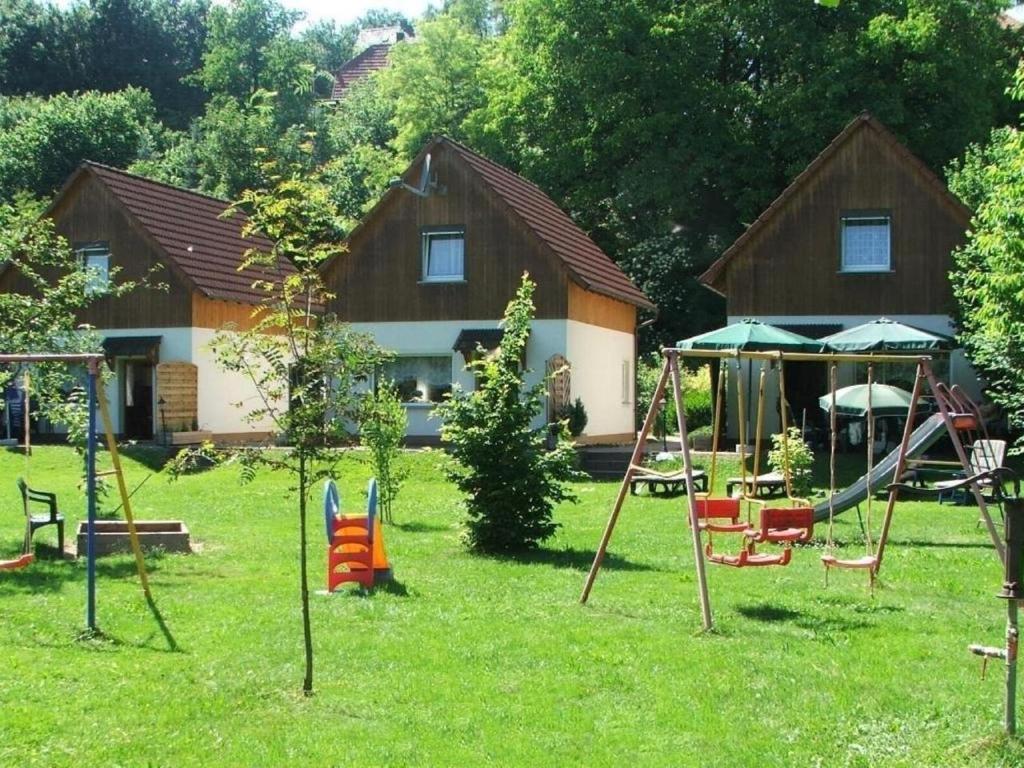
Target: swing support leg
column 670, row 368
column 638, row 450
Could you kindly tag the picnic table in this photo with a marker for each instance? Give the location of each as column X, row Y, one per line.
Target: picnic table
column 674, row 482
column 768, row 484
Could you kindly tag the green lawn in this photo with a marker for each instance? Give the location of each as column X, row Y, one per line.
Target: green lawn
column 476, row 661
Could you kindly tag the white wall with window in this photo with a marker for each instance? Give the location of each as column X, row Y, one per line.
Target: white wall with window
column 424, row 352
column 865, row 242
column 95, row 260
column 444, row 255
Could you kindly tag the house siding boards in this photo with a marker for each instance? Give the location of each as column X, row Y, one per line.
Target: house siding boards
column 87, row 212
column 792, row 265
column 380, row 278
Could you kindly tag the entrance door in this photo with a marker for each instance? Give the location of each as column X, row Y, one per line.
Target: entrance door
column 805, row 383
column 137, row 396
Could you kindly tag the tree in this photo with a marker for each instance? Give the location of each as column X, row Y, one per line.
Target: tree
column 434, row 84
column 382, row 426
column 306, row 368
column 44, row 140
column 510, row 480
column 663, row 127
column 988, row 273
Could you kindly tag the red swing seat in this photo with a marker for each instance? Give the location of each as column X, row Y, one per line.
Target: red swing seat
column 748, row 557
column 784, row 524
column 867, row 561
column 20, row 562
column 711, row 510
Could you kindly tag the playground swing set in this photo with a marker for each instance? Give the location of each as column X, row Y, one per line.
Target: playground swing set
column 97, row 407
column 793, row 522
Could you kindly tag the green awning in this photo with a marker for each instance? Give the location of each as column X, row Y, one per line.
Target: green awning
column 752, row 336
column 885, row 335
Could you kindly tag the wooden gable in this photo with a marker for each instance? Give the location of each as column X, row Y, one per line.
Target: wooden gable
column 788, row 261
column 86, row 212
column 379, row 279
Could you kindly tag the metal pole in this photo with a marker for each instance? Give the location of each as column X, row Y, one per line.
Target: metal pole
column 1012, row 635
column 90, row 491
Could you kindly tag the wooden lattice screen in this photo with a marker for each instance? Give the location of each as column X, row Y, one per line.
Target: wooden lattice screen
column 177, row 384
column 558, row 373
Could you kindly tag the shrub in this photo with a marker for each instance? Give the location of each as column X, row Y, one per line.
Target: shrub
column 510, row 480
column 697, row 402
column 575, row 416
column 801, row 459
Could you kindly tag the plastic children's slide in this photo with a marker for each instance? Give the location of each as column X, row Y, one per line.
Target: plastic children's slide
column 921, row 439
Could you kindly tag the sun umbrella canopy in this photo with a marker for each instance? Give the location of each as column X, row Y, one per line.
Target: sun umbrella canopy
column 885, row 335
column 853, row 400
column 752, row 336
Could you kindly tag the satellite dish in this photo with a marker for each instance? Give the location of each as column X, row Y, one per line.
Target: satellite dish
column 427, row 183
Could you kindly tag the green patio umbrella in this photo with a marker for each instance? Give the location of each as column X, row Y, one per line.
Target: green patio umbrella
column 853, row 400
column 885, row 335
column 751, row 335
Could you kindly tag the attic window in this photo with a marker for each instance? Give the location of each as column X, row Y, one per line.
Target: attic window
column 95, row 260
column 865, row 243
column 443, row 255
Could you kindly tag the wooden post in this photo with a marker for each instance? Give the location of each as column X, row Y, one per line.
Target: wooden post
column 25, row 411
column 638, row 450
column 672, row 360
column 901, row 464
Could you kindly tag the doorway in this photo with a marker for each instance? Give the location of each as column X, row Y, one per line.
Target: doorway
column 137, row 397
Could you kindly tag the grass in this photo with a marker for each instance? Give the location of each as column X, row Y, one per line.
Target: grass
column 481, row 661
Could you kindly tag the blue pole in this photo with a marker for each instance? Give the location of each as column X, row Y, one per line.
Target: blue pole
column 90, row 491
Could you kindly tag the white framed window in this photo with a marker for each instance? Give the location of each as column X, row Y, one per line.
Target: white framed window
column 865, row 243
column 95, row 260
column 444, row 255
column 420, row 379
column 627, row 382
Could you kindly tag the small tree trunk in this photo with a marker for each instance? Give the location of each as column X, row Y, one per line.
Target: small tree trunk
column 307, row 681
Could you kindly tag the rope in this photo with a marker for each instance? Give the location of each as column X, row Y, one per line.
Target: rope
column 760, row 428
column 786, row 473
column 722, row 375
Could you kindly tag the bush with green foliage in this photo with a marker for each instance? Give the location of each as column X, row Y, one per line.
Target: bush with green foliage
column 382, row 425
column 697, row 402
column 795, row 458
column 500, row 462
column 575, row 417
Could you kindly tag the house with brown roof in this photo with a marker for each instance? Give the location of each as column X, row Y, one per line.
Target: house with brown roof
column 374, row 46
column 164, row 379
column 865, row 231
column 431, row 268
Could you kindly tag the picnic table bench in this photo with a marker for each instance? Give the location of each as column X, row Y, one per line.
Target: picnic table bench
column 670, row 483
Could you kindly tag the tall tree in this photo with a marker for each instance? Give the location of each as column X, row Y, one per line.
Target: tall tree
column 663, row 126
column 43, row 140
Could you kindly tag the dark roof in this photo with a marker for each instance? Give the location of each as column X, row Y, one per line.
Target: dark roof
column 368, row 61
column 587, row 264
column 202, row 247
column 863, row 121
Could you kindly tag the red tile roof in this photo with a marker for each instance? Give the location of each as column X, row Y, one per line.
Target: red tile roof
column 587, row 264
column 366, row 62
column 187, row 227
column 713, row 277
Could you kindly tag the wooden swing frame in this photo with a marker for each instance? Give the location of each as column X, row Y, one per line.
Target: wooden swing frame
column 670, row 374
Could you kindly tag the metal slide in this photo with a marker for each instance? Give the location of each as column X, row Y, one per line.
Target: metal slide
column 921, row 439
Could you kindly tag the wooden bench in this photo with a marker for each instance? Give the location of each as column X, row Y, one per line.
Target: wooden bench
column 768, row 484
column 669, row 484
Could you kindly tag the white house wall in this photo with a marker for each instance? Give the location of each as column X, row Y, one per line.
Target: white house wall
column 547, row 338
column 219, row 391
column 597, row 357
